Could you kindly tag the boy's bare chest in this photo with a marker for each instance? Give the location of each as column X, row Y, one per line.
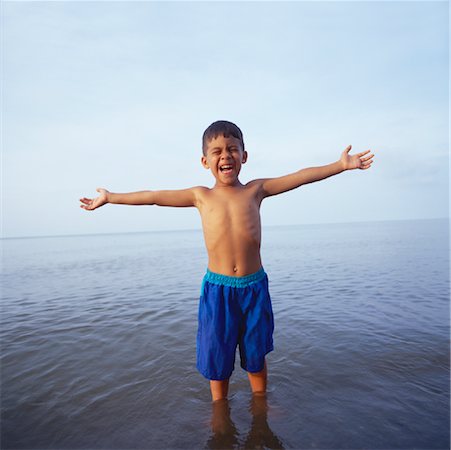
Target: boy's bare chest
column 231, row 209
column 232, row 231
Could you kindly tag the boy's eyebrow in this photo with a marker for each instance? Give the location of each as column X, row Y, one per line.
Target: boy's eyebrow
column 219, row 148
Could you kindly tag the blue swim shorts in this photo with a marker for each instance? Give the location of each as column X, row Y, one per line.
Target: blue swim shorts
column 233, row 311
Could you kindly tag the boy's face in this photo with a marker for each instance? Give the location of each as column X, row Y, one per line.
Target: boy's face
column 224, row 159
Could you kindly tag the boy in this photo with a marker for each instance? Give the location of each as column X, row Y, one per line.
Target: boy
column 235, row 305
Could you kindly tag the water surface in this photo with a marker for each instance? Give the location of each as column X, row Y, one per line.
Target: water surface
column 98, row 340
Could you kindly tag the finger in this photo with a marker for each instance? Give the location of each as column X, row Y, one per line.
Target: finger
column 348, row 148
column 367, row 158
column 363, row 153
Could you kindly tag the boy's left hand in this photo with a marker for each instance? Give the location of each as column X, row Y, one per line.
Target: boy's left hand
column 355, row 161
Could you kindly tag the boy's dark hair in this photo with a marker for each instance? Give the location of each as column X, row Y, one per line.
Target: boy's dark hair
column 221, row 127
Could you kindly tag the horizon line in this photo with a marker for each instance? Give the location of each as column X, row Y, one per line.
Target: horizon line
column 200, row 228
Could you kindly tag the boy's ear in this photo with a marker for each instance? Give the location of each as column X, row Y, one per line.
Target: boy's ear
column 203, row 161
column 244, row 157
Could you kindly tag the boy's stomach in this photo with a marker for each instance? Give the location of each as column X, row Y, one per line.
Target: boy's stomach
column 226, row 259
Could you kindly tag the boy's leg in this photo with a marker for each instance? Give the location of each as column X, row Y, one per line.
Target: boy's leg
column 219, row 389
column 258, row 380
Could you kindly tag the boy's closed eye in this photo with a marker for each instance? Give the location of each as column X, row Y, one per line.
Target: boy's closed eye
column 218, row 151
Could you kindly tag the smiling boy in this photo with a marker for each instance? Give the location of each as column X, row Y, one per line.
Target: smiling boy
column 235, row 306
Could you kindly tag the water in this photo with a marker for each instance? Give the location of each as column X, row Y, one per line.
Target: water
column 98, row 342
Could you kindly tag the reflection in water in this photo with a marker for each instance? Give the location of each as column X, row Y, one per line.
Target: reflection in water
column 224, row 432
column 260, row 435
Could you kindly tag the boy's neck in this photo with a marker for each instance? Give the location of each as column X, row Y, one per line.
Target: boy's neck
column 236, row 184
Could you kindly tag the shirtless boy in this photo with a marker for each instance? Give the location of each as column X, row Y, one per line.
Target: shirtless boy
column 235, row 306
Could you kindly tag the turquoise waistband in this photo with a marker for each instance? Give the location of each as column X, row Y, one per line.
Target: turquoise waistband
column 226, row 280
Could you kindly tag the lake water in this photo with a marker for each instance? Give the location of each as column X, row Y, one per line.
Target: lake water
column 98, row 342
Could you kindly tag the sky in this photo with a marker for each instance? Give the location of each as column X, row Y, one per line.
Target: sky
column 118, row 94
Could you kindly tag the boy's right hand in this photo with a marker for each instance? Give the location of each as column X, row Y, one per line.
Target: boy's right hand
column 90, row 204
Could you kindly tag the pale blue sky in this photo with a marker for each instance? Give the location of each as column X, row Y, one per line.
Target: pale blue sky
column 118, row 94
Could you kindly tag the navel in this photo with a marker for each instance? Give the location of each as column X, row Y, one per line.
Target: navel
column 235, row 268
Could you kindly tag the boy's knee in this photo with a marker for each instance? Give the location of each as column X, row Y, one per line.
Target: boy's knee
column 219, row 389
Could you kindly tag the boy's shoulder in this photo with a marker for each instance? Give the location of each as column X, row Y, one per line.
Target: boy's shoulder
column 199, row 190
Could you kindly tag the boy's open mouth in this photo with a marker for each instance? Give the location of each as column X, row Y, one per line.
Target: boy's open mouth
column 226, row 168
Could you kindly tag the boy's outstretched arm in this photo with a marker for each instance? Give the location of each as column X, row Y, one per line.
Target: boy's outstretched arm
column 274, row 186
column 181, row 198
